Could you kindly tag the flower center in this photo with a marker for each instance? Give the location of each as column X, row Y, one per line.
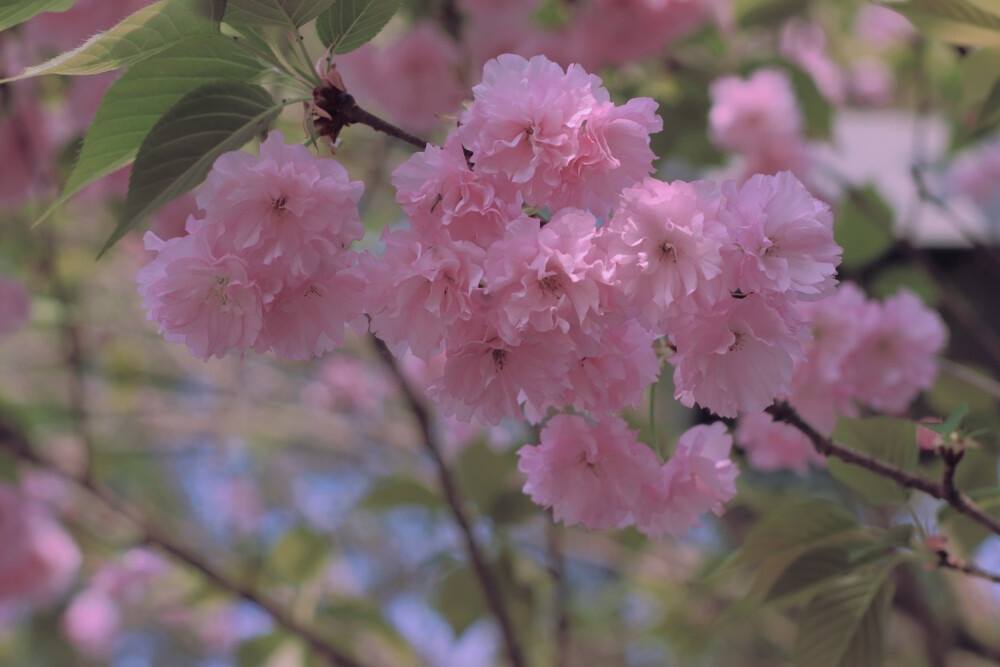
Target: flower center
column 499, row 359
column 668, row 252
column 740, row 338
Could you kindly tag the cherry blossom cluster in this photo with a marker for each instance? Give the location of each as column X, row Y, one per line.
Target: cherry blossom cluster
column 861, row 353
column 268, row 266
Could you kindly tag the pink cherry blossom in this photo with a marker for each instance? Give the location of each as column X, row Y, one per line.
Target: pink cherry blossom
column 784, row 236
column 698, row 478
column 419, row 287
column 897, row 359
column 748, row 115
column 15, row 306
column 284, row 204
column 882, row 27
column 805, row 44
column 737, row 356
column 209, row 301
column 413, row 79
column 437, row 188
column 92, row 623
column 39, row 559
column 587, row 474
column 664, row 241
column 772, row 445
column 975, row 173
column 526, row 121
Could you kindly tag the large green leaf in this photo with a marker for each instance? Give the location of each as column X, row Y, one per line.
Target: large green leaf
column 13, row 12
column 844, row 625
column 299, row 555
column 390, row 492
column 893, row 441
column 137, row 37
column 178, row 153
column 134, row 103
column 282, row 13
column 795, row 526
column 351, row 23
column 961, row 22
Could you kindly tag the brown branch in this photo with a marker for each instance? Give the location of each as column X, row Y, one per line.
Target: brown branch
column 14, row 442
column 949, row 562
column 491, row 591
column 557, row 569
column 335, row 109
column 943, row 490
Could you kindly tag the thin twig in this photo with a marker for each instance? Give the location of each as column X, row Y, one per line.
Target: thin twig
column 557, row 569
column 356, row 114
column 17, row 444
column 783, row 412
column 491, row 591
column 949, row 562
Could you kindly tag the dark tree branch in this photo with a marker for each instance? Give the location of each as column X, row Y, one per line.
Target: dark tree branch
column 16, row 443
column 943, row 490
column 557, row 568
column 335, row 109
column 949, row 562
column 491, row 591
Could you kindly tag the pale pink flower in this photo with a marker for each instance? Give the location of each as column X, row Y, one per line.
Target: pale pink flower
column 789, row 154
column 92, row 623
column 544, row 278
column 772, row 445
column 614, row 153
column 308, row 317
column 881, row 26
column 838, row 324
column 736, row 356
column 975, row 174
column 698, row 478
column 437, row 188
column 15, row 306
column 526, row 121
column 587, row 474
column 612, row 371
column 664, row 241
column 39, row 559
column 351, row 385
column 283, row 205
column 211, row 302
column 487, row 378
column 622, row 31
column 419, row 287
column 898, row 359
column 804, row 43
column 784, row 237
column 413, row 79
column 871, row 82
column 749, row 115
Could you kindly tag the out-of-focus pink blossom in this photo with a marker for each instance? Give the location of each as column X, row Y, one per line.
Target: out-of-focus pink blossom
column 39, row 559
column 898, row 358
column 772, row 445
column 975, row 174
column 587, row 474
column 92, row 623
column 698, row 478
column 882, row 26
column 805, row 44
column 15, row 306
column 750, row 115
column 413, row 79
column 62, row 31
column 870, row 82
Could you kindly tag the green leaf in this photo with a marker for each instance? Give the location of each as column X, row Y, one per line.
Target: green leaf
column 137, row 37
column 484, row 473
column 177, row 154
column 798, row 525
column 459, row 599
column 911, row 276
column 390, row 492
column 844, row 625
column 256, row 651
column 893, row 441
column 283, row 13
column 769, row 12
column 951, row 424
column 351, row 23
column 13, row 12
column 299, row 556
column 961, row 22
column 134, row 103
column 809, row 570
column 863, row 227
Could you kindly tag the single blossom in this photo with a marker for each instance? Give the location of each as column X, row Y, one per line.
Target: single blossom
column 772, row 445
column 588, row 475
column 748, row 115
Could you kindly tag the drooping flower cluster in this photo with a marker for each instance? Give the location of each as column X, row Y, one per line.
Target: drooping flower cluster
column 268, row 266
column 861, row 352
column 602, row 477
